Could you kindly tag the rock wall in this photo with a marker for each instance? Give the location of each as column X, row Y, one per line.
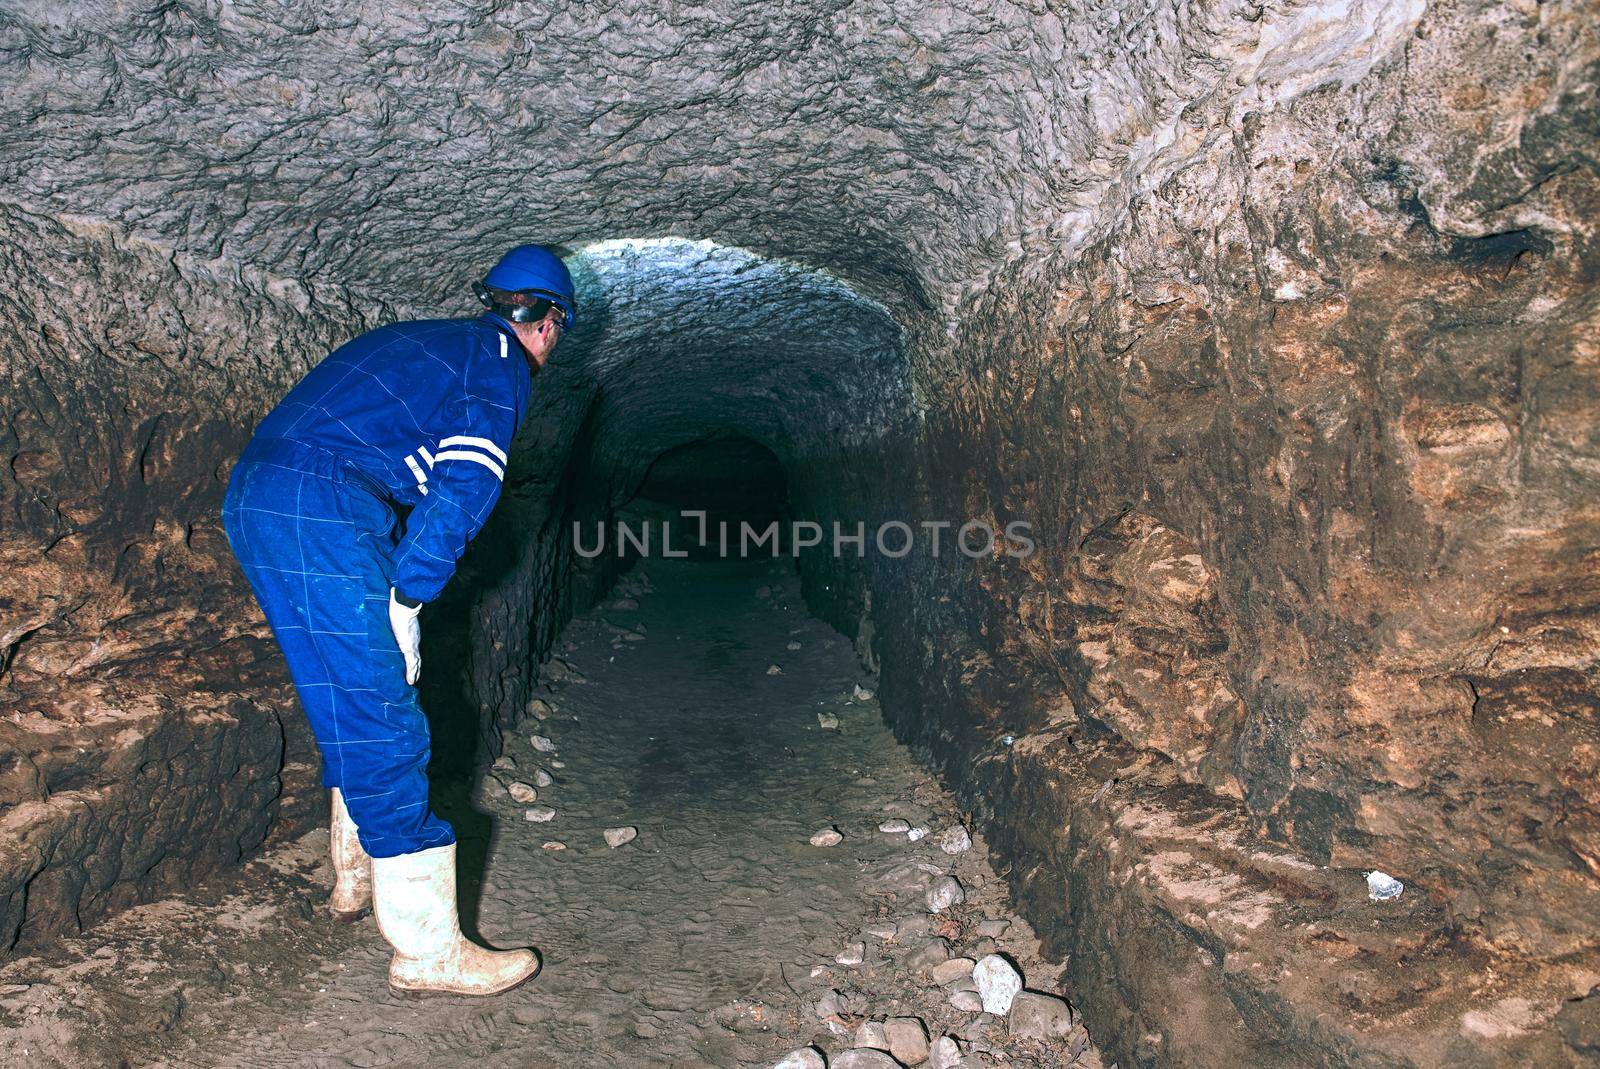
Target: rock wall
column 1310, row 438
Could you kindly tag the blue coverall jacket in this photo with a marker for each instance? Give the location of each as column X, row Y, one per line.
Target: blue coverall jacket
column 414, row 416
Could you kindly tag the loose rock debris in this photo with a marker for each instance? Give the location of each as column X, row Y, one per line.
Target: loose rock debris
column 718, row 937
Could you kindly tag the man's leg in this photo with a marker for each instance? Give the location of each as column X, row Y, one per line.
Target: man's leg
column 316, row 552
column 319, row 573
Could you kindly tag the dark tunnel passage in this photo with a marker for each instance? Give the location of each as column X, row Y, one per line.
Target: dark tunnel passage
column 1274, row 743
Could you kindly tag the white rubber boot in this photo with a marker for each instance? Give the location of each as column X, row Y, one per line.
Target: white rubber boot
column 414, row 896
column 352, row 868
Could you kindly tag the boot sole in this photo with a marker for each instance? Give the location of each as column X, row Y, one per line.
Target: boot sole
column 414, row 993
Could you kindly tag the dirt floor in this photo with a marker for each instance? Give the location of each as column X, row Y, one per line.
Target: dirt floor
column 715, row 938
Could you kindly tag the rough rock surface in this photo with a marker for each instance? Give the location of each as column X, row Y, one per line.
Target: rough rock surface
column 1277, row 321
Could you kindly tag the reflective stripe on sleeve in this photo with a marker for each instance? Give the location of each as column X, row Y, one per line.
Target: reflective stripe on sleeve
column 416, row 470
column 477, row 443
column 476, row 458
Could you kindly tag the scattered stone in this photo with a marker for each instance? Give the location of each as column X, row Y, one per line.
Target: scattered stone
column 968, row 1001
column 827, row 837
column 633, row 636
column 873, row 1035
column 882, row 931
column 948, row 972
column 943, row 1054
column 504, row 763
column 954, row 840
column 774, row 670
column 553, row 844
column 993, row 929
column 539, row 708
column 864, row 1058
column 861, row 694
column 543, row 743
column 828, row 722
column 616, row 837
column 558, row 764
column 792, row 646
column 1036, row 1016
column 918, row 832
column 944, row 893
column 522, row 793
column 929, row 956
column 908, row 1039
column 998, row 983
column 541, row 778
column 539, row 814
column 836, row 1003
column 854, row 954
column 895, row 826
column 804, row 1058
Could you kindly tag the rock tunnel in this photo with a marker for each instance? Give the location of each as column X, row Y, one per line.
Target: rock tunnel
column 1275, row 324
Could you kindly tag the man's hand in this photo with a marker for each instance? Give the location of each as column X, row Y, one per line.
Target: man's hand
column 408, row 633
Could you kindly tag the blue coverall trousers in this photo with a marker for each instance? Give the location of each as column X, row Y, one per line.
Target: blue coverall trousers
column 316, row 543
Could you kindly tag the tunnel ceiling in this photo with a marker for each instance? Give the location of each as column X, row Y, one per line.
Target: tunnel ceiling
column 906, row 147
column 688, row 340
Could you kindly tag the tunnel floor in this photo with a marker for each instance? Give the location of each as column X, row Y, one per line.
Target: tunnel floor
column 711, row 939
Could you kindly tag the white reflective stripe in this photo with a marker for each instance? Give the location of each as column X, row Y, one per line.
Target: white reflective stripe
column 427, row 456
column 476, row 458
column 416, row 469
column 479, row 443
column 502, row 346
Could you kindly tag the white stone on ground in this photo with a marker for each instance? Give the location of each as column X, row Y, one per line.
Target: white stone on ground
column 918, row 832
column 504, row 763
column 541, row 778
column 522, row 793
column 543, row 743
column 553, row 844
column 827, row 837
column 828, row 722
column 792, row 646
column 943, row 1054
column 616, row 837
column 854, row 954
column 539, row 708
column 908, row 1039
column 998, row 983
column 882, row 931
column 804, row 1058
column 539, row 814
column 1037, row 1016
column 945, row 892
column 895, row 826
column 955, row 840
column 872, row 1034
column 774, row 670
column 861, row 694
column 966, row 1000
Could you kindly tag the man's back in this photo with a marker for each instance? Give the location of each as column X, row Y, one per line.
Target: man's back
column 396, row 399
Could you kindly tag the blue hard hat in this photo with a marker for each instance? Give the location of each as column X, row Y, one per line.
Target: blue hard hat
column 535, row 269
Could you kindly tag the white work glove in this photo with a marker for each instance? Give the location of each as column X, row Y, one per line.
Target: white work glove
column 408, row 633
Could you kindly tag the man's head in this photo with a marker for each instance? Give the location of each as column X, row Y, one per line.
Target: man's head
column 531, row 288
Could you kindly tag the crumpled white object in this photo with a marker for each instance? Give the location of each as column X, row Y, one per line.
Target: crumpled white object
column 1382, row 887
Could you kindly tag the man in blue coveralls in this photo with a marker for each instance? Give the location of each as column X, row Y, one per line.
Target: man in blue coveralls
column 414, row 416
